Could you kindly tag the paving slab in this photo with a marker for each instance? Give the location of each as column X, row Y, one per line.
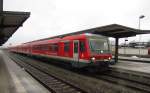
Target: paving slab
column 14, row 79
column 133, row 66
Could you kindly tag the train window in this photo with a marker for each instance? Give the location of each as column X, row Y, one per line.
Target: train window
column 50, row 47
column 41, row 47
column 36, row 47
column 66, row 46
column 44, row 47
column 54, row 47
column 75, row 47
column 82, row 46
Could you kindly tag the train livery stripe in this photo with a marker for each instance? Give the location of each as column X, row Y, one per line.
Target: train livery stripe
column 63, row 58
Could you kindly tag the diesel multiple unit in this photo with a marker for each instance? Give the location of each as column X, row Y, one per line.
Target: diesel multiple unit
column 82, row 50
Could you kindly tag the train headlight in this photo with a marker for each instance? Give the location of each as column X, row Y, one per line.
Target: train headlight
column 109, row 58
column 93, row 58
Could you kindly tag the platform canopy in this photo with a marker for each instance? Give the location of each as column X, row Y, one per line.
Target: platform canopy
column 117, row 31
column 10, row 22
column 113, row 30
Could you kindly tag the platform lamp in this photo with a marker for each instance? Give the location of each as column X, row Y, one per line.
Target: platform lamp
column 140, row 17
column 125, row 45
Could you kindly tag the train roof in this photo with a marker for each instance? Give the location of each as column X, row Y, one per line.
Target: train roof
column 54, row 38
column 77, row 36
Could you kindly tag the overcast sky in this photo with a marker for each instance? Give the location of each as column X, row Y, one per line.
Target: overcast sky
column 54, row 17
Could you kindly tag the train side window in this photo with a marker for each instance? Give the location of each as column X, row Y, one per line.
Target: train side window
column 75, row 47
column 42, row 47
column 82, row 46
column 50, row 47
column 36, row 47
column 54, row 47
column 66, row 46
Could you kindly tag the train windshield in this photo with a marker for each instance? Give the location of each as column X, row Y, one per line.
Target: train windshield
column 99, row 45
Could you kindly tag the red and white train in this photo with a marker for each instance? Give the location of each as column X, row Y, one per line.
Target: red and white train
column 82, row 50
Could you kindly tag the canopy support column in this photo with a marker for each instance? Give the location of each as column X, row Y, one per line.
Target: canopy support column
column 1, row 5
column 116, row 49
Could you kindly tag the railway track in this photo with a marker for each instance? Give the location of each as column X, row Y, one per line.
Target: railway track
column 128, row 79
column 140, row 77
column 52, row 83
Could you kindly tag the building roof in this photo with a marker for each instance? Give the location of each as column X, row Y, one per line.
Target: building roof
column 10, row 22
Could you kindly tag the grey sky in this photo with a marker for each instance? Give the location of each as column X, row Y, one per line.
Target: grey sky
column 53, row 17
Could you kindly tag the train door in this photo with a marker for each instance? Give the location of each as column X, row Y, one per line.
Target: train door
column 76, row 50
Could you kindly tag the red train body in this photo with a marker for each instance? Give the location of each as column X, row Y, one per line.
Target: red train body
column 81, row 50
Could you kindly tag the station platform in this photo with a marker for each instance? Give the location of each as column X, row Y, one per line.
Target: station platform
column 133, row 66
column 135, row 58
column 14, row 79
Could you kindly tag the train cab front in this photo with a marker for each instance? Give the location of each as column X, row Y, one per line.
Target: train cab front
column 101, row 60
column 100, row 54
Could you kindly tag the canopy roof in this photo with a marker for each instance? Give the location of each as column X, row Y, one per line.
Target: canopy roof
column 117, row 31
column 10, row 22
column 113, row 30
